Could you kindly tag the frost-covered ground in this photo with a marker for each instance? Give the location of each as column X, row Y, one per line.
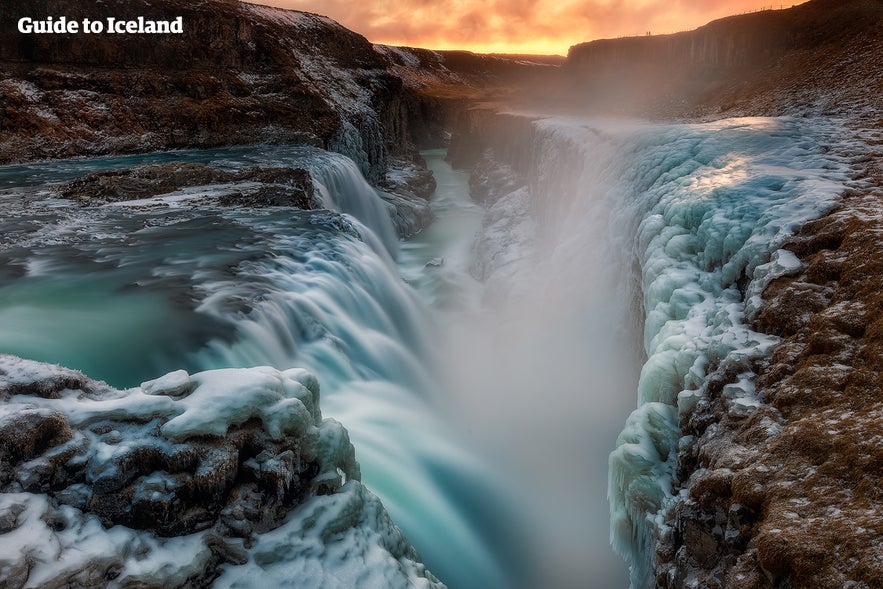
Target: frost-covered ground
column 785, row 497
column 228, row 477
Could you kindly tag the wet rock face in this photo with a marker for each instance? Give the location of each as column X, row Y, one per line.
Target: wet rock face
column 256, row 187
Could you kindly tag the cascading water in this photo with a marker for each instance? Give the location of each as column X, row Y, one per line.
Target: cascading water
column 268, row 287
column 698, row 211
column 535, row 370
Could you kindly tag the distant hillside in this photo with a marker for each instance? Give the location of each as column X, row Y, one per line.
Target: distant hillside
column 823, row 55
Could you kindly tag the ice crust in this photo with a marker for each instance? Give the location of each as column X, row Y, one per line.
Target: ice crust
column 340, row 536
column 703, row 210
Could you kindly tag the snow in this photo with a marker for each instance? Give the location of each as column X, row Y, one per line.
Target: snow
column 318, row 544
column 27, row 89
column 172, row 384
column 192, row 196
column 232, row 396
column 714, row 202
column 782, row 263
column 340, row 541
column 343, row 539
column 401, row 54
column 295, row 18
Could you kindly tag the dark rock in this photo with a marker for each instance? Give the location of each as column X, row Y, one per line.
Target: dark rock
column 238, row 74
column 140, row 182
column 289, row 187
column 148, row 482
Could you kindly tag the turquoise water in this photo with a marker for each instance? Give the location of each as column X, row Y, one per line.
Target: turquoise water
column 437, row 262
column 483, row 415
column 127, row 294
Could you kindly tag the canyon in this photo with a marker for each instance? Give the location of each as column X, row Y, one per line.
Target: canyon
column 744, row 466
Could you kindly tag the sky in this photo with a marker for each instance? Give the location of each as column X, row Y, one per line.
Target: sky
column 517, row 26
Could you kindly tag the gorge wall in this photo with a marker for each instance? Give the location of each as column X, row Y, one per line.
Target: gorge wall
column 770, row 463
column 817, row 56
column 239, row 73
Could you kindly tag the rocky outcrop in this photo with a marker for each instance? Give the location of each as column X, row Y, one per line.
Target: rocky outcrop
column 256, row 187
column 183, row 480
column 239, row 73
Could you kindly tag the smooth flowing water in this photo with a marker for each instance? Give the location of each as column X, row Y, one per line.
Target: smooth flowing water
column 482, row 413
column 126, row 294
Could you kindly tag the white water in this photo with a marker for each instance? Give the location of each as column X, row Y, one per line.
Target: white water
column 281, row 288
column 531, row 375
column 693, row 209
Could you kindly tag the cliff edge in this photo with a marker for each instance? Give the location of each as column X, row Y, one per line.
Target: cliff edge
column 820, row 57
column 239, row 73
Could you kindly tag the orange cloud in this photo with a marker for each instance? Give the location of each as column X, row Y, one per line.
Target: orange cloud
column 517, row 26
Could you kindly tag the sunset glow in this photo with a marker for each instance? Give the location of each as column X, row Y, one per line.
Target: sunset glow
column 518, row 26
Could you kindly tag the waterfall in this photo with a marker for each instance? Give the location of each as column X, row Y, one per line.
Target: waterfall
column 343, row 188
column 278, row 287
column 615, row 279
column 697, row 211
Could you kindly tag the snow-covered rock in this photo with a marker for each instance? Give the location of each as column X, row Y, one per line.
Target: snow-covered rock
column 227, row 476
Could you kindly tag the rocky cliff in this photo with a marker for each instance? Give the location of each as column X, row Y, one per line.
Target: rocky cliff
column 785, row 496
column 772, row 62
column 239, row 73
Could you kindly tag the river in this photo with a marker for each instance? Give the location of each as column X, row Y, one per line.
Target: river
column 483, row 412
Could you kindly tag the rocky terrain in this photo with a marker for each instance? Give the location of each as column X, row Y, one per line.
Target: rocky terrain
column 240, row 73
column 157, row 487
column 256, row 187
column 787, row 497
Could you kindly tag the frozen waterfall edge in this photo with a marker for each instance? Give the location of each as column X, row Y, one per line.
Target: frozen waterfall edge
column 702, row 211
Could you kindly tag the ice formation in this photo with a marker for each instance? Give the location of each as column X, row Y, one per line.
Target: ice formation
column 230, row 476
column 688, row 221
column 704, row 209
